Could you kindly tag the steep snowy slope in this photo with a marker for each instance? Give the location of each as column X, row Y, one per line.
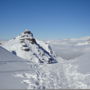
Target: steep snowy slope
column 25, row 46
column 17, row 73
column 9, row 66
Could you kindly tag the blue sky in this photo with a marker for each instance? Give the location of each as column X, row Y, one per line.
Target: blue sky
column 47, row 19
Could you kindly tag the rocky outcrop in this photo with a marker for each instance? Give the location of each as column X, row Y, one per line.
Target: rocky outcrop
column 27, row 35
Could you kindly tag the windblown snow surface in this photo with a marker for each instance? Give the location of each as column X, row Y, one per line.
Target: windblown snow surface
column 72, row 70
column 75, row 54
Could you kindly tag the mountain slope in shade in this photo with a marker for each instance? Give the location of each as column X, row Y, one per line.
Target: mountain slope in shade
column 10, row 65
column 27, row 47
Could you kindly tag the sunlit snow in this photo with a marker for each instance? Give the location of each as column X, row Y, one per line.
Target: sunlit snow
column 28, row 63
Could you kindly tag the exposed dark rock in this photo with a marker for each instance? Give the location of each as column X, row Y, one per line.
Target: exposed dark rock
column 26, row 49
column 21, row 41
column 14, row 52
column 27, row 32
column 33, row 41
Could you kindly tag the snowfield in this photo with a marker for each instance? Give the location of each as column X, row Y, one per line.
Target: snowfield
column 76, row 60
column 17, row 73
column 27, row 63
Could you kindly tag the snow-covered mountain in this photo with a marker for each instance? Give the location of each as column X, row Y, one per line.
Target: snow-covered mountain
column 27, row 47
column 21, row 66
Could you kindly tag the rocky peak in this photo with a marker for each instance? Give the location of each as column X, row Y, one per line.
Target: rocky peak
column 27, row 35
column 27, row 31
column 25, row 46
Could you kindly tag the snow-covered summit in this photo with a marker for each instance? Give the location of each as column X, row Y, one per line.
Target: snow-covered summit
column 27, row 47
column 27, row 35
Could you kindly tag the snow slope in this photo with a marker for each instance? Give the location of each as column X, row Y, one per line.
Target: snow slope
column 76, row 63
column 83, row 63
column 17, row 73
column 9, row 66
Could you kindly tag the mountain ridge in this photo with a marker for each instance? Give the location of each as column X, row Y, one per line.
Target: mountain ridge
column 26, row 46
